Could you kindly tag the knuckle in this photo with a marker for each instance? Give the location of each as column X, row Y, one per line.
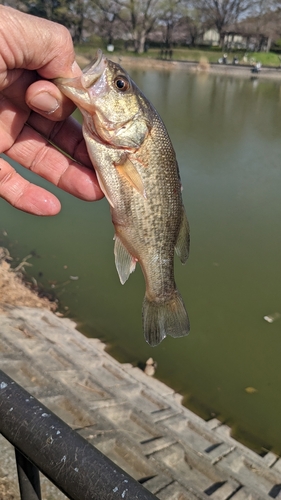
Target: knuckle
column 6, row 173
column 64, row 35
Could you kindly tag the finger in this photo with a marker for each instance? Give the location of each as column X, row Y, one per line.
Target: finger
column 36, row 44
column 23, row 195
column 33, row 152
column 45, row 98
column 66, row 135
column 12, row 119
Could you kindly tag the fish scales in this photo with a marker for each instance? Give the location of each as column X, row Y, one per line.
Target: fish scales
column 137, row 169
column 158, row 221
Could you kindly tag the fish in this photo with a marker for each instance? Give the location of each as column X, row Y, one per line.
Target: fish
column 137, row 170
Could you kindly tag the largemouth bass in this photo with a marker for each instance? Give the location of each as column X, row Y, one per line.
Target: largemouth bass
column 138, row 172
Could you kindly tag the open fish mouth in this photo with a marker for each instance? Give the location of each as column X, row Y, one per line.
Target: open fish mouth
column 94, row 70
column 91, row 73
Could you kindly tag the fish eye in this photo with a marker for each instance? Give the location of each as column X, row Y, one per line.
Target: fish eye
column 121, row 83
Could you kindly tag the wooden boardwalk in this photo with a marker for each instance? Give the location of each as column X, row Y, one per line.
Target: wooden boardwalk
column 134, row 419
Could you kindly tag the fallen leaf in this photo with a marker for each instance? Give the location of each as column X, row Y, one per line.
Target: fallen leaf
column 251, row 390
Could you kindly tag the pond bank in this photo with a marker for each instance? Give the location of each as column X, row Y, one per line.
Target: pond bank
column 198, row 67
column 134, row 419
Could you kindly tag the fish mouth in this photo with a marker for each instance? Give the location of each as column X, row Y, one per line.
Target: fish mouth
column 78, row 87
column 94, row 70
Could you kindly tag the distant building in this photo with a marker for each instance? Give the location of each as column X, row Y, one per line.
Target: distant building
column 231, row 40
column 211, row 37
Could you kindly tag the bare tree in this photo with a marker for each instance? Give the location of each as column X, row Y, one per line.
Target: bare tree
column 263, row 26
column 169, row 20
column 266, row 22
column 193, row 23
column 139, row 18
column 106, row 20
column 221, row 14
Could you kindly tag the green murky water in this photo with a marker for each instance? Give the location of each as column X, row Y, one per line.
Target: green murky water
column 226, row 133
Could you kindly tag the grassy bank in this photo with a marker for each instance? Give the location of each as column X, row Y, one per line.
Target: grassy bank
column 185, row 54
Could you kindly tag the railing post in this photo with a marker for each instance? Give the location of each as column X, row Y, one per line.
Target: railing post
column 29, row 480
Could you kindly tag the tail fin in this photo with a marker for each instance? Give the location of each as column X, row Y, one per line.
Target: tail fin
column 164, row 318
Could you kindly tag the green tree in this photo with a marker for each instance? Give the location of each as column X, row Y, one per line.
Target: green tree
column 70, row 13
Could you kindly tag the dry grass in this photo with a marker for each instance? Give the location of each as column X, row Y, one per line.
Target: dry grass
column 13, row 290
column 7, row 490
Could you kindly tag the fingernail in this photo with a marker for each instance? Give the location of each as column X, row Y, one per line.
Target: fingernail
column 44, row 102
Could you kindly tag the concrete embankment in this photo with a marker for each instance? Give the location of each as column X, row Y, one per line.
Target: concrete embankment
column 134, row 419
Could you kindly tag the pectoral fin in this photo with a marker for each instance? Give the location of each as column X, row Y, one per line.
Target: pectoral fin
column 127, row 169
column 124, row 261
column 182, row 244
column 104, row 190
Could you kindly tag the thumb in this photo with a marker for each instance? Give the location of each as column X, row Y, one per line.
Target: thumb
column 46, row 99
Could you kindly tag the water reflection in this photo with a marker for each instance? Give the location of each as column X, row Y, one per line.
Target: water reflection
column 226, row 132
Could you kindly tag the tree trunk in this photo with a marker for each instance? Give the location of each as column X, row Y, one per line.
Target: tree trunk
column 80, row 22
column 192, row 40
column 139, row 42
column 268, row 45
column 260, row 43
column 142, row 43
column 221, row 41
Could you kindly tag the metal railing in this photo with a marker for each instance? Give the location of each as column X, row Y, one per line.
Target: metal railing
column 44, row 442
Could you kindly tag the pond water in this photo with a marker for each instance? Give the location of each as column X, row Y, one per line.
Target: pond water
column 226, row 133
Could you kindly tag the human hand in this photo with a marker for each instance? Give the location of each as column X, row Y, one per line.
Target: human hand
column 33, row 112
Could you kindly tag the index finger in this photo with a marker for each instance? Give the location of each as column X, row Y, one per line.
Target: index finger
column 25, row 196
column 35, row 153
column 36, row 44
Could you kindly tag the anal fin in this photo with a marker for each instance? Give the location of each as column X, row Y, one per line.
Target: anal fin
column 124, row 261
